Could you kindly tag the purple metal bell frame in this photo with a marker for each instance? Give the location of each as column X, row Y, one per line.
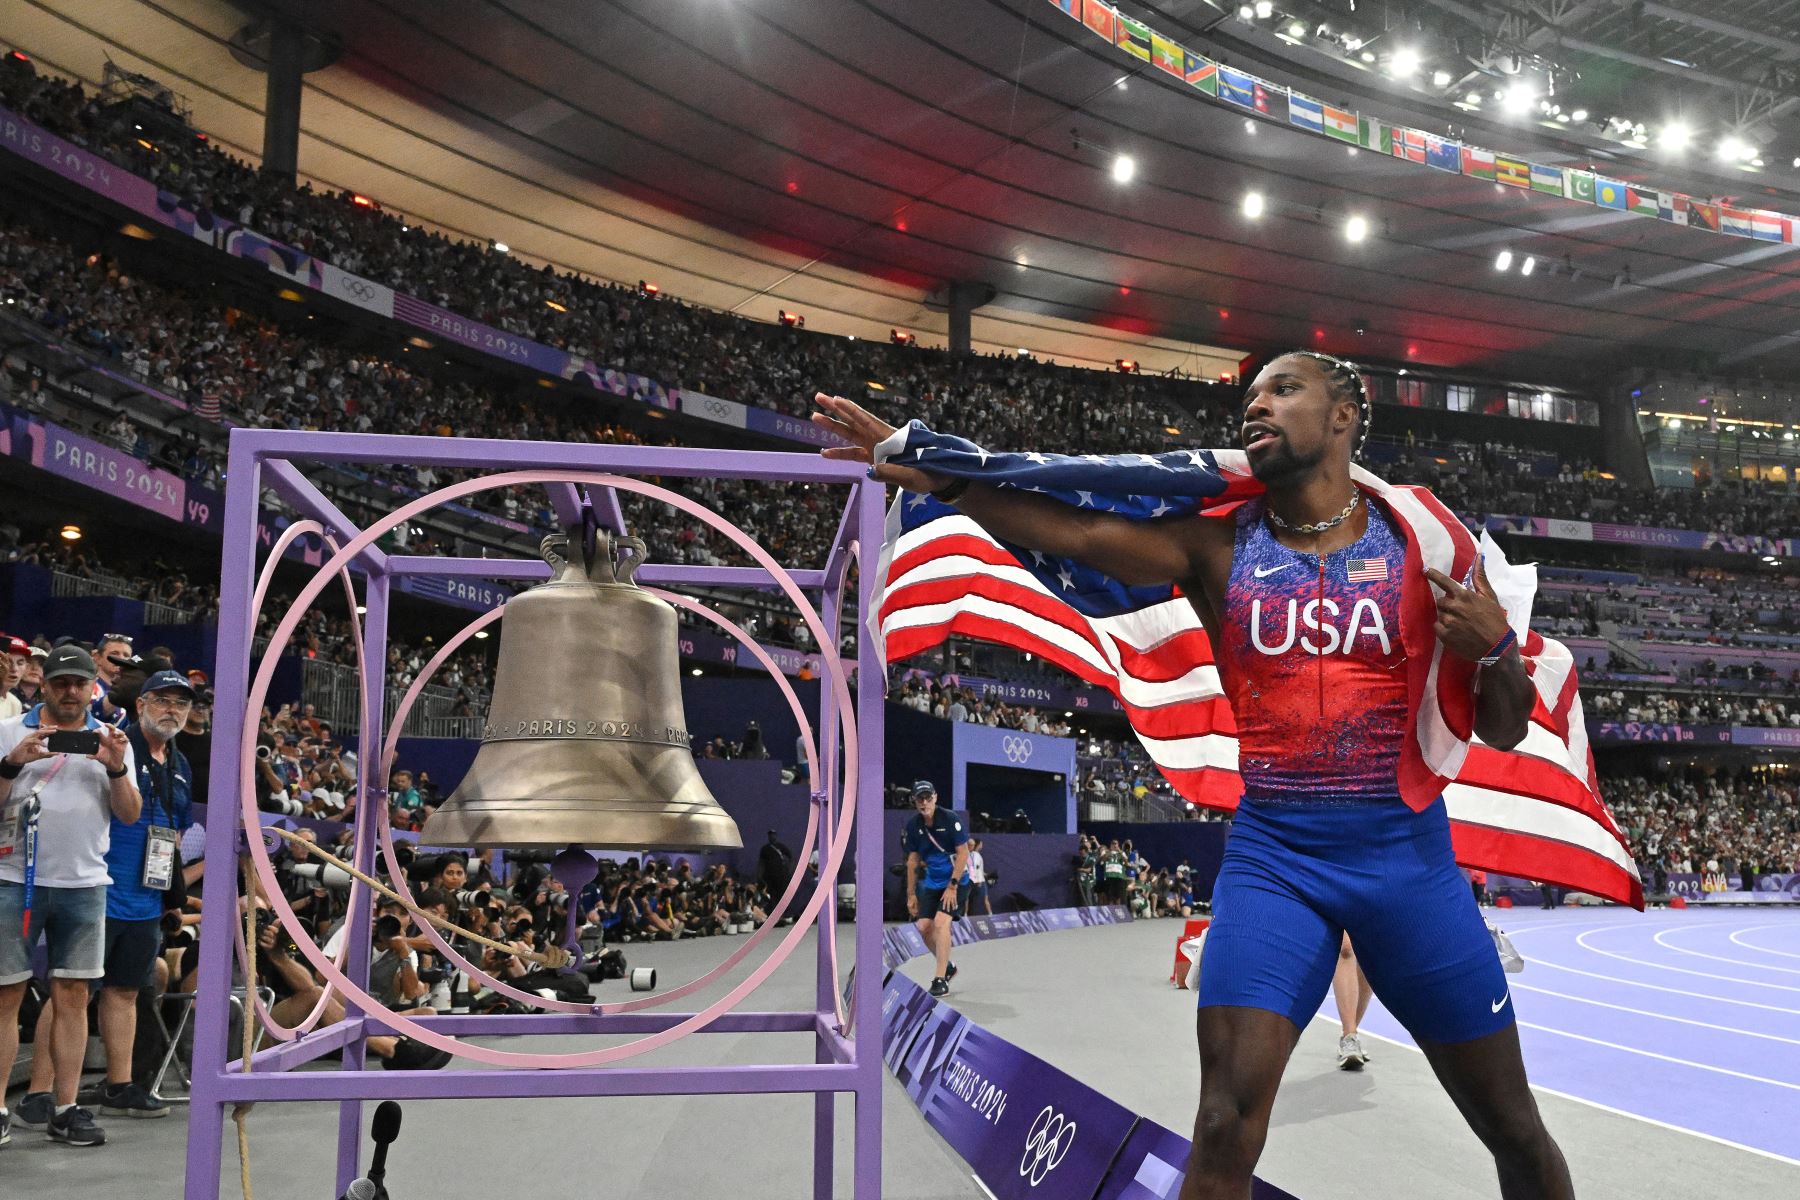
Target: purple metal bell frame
column 843, row 1062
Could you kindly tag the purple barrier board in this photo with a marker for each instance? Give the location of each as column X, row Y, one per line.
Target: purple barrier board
column 101, row 467
column 1716, row 888
column 1026, row 1129
column 1150, row 1168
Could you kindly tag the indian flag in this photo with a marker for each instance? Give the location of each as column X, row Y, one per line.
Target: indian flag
column 1373, row 135
column 1133, row 38
column 1548, row 180
column 1342, row 125
column 1165, row 53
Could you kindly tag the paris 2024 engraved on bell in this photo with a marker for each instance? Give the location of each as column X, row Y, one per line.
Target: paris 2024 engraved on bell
column 586, row 741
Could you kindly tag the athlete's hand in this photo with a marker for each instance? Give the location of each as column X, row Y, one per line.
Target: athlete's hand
column 1469, row 620
column 864, row 430
column 912, row 906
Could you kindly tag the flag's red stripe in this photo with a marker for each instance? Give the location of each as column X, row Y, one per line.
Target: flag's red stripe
column 945, row 591
column 1523, row 775
column 1169, row 659
column 1209, row 787
column 986, row 550
column 1508, row 852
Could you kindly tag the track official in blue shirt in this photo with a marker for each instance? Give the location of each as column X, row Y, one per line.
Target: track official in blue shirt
column 936, row 842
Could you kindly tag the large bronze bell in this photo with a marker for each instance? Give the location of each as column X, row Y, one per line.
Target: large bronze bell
column 586, row 742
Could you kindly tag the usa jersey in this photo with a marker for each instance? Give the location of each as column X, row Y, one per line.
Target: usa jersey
column 1310, row 655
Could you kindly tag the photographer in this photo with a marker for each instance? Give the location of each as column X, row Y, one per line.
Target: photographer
column 63, row 777
column 272, row 781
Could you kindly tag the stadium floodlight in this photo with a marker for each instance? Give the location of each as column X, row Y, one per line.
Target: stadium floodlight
column 1734, row 149
column 1297, row 29
column 501, row 247
column 1356, row 228
column 1264, row 9
column 1580, row 114
column 1254, row 205
column 1403, row 63
column 1528, row 266
column 1123, row 168
column 1519, row 98
column 1503, row 261
column 1440, row 79
column 1246, row 12
column 1675, row 135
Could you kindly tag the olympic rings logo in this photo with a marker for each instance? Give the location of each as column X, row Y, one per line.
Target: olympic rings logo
column 1017, row 749
column 1048, row 1141
column 356, row 288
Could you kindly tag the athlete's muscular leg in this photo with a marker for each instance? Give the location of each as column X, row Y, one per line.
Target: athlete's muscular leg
column 1242, row 1054
column 1486, row 1079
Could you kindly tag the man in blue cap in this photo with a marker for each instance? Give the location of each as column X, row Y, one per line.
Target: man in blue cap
column 938, row 840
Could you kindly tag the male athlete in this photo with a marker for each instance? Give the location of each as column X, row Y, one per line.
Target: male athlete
column 1299, row 591
column 937, row 840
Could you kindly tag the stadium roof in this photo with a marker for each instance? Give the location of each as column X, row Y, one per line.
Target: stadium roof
column 848, row 159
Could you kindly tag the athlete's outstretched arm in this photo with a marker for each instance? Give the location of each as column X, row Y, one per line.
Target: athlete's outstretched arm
column 1133, row 552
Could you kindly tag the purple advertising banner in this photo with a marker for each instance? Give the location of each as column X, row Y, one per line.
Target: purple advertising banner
column 1026, row 1129
column 477, row 594
column 1758, row 735
column 1639, row 535
column 101, row 467
column 75, row 164
column 1716, row 888
column 1150, row 1167
column 1652, row 731
column 1044, row 693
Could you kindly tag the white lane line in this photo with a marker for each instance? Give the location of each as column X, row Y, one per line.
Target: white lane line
column 1643, row 1012
column 1581, row 939
column 1736, row 962
column 1656, row 987
column 1738, row 938
column 1617, row 1112
column 1680, row 1062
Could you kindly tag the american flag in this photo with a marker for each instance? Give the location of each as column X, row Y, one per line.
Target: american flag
column 208, row 406
column 1533, row 811
column 1366, row 570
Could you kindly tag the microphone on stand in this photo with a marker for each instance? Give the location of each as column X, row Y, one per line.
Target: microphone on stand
column 384, row 1129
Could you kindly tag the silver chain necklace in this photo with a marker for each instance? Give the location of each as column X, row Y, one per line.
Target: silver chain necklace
column 1321, row 527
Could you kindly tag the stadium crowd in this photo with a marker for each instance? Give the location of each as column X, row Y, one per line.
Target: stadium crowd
column 1741, row 823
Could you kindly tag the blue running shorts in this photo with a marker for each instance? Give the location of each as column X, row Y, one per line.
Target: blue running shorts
column 1299, row 874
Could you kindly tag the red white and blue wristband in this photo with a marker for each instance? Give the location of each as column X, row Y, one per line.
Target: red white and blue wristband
column 1499, row 651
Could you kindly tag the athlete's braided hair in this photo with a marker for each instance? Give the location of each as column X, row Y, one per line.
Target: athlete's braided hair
column 1346, row 384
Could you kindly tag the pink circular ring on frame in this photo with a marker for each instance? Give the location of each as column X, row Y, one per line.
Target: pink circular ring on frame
column 835, row 677
column 388, row 757
column 288, row 537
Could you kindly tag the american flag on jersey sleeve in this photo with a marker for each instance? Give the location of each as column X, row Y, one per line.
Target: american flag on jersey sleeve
column 1533, row 811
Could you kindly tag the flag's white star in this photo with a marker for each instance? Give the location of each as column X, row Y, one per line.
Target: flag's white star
column 1037, row 556
column 984, row 455
column 1035, row 457
column 1162, row 506
column 1063, row 577
column 1099, row 458
column 1084, row 499
column 1197, row 458
column 1150, row 460
column 917, row 500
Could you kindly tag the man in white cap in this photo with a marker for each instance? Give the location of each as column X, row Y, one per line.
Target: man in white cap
column 63, row 777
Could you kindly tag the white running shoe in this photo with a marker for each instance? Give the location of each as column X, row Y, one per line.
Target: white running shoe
column 1350, row 1053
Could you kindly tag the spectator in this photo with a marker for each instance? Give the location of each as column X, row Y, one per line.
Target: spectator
column 978, row 879
column 74, row 794
column 13, row 666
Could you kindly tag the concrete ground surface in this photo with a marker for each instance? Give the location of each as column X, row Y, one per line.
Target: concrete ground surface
column 1092, row 1001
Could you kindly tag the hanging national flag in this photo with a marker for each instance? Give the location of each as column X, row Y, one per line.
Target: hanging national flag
column 1366, row 570
column 1672, row 207
column 208, row 406
column 1443, row 154
column 1706, row 216
column 1548, row 180
column 1513, row 172
column 1735, row 221
column 1478, row 163
column 1070, row 8
column 1374, row 135
column 1342, row 124
column 1239, row 88
column 1579, row 185
column 1306, row 112
column 1410, row 145
column 1272, row 102
column 1533, row 812
column 1768, row 226
column 1203, row 73
column 1609, row 193
column 1644, row 204
column 1166, row 53
column 1100, row 18
column 1133, row 38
